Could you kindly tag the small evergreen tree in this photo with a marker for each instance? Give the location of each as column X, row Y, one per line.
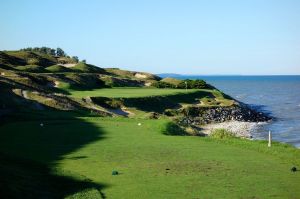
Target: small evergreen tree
column 60, row 52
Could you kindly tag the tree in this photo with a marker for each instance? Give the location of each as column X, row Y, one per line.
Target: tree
column 60, row 52
column 83, row 61
column 48, row 51
column 53, row 52
column 75, row 59
column 43, row 50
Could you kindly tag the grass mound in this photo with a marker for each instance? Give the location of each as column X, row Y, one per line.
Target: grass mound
column 31, row 68
column 6, row 59
column 132, row 74
column 87, row 68
column 58, row 69
column 121, row 82
column 172, row 81
column 172, row 128
column 80, row 82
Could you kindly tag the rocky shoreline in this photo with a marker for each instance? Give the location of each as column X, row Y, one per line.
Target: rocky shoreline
column 197, row 115
column 239, row 119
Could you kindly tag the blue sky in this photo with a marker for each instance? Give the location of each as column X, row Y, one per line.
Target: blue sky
column 249, row 37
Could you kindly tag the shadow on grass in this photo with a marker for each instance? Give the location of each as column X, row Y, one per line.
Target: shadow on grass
column 22, row 178
column 30, row 152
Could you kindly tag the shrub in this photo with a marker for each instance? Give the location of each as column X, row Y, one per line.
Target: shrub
column 173, row 129
column 222, row 134
column 193, row 84
column 172, row 81
column 199, row 84
column 160, row 84
column 170, row 112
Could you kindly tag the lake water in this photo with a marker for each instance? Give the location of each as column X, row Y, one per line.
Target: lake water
column 277, row 95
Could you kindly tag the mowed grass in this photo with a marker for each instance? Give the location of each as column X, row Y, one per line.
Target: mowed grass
column 127, row 92
column 151, row 164
column 202, row 97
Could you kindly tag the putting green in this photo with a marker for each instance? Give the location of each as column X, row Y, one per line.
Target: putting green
column 129, row 92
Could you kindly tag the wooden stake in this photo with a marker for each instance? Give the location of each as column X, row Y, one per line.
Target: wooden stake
column 270, row 139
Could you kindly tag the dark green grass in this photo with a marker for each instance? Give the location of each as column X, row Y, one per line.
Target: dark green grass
column 152, row 99
column 58, row 69
column 31, row 68
column 23, row 178
column 151, row 164
column 127, row 92
column 87, row 68
column 33, row 173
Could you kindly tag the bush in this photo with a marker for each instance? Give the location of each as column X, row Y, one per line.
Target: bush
column 172, row 128
column 221, row 134
column 192, row 84
column 170, row 112
column 160, row 84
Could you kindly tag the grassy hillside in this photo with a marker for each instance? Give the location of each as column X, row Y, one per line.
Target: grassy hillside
column 15, row 58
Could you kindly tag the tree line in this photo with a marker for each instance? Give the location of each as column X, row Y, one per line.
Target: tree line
column 184, row 84
column 50, row 51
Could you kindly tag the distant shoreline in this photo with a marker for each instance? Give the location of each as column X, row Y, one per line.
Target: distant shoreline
column 163, row 75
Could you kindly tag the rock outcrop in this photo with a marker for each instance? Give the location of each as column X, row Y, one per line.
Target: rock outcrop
column 197, row 115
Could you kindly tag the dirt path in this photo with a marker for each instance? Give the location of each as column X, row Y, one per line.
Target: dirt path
column 25, row 94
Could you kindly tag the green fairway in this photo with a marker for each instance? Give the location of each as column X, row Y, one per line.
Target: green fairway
column 128, row 92
column 151, row 164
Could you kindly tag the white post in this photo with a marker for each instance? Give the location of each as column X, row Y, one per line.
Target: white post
column 270, row 139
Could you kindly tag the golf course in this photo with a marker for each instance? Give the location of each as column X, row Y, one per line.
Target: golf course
column 90, row 132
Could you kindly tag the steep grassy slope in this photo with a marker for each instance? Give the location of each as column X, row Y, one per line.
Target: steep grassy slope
column 29, row 61
column 21, row 58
